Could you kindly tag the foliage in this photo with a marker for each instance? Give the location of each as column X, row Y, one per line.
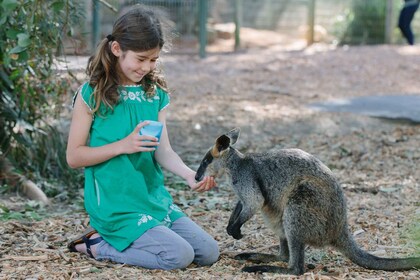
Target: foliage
column 363, row 24
column 30, row 38
column 31, row 211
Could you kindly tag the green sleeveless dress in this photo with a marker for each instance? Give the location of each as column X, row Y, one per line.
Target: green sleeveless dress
column 125, row 195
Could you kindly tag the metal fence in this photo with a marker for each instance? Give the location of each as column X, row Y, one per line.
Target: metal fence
column 282, row 21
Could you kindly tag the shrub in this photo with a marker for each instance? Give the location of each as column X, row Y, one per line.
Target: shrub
column 363, row 24
column 30, row 39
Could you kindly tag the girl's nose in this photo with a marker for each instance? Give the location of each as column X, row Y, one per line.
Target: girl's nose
column 146, row 66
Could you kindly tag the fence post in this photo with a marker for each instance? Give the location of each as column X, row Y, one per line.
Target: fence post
column 202, row 13
column 238, row 23
column 311, row 22
column 389, row 23
column 96, row 29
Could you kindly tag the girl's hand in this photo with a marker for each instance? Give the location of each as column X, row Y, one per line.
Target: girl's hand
column 135, row 142
column 206, row 184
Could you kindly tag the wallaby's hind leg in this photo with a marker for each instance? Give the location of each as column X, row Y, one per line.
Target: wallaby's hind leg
column 265, row 258
column 296, row 263
column 257, row 257
column 284, row 250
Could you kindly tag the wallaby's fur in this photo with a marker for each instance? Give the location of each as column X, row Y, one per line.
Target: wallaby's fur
column 300, row 200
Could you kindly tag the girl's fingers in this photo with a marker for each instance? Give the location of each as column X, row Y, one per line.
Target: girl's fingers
column 206, row 184
column 143, row 149
column 148, row 138
column 198, row 186
column 148, row 143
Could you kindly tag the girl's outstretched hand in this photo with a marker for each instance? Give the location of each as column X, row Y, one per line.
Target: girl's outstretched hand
column 204, row 185
column 135, row 142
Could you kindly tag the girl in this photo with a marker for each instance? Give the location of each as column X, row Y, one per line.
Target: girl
column 132, row 216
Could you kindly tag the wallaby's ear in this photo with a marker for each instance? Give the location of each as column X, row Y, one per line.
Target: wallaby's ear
column 222, row 143
column 233, row 135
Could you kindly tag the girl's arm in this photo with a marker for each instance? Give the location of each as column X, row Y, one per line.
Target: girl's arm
column 81, row 155
column 171, row 161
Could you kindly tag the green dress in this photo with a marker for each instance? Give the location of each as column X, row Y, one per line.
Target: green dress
column 125, row 195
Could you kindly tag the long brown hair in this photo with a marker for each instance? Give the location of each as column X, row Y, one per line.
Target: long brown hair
column 137, row 30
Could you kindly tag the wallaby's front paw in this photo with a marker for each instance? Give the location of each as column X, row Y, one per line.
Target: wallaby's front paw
column 237, row 235
column 234, row 233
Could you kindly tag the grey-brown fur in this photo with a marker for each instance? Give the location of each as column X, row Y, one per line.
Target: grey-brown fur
column 300, row 200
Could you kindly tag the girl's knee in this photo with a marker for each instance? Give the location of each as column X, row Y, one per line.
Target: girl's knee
column 209, row 253
column 182, row 257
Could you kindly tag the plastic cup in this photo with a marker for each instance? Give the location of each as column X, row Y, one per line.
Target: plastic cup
column 154, row 128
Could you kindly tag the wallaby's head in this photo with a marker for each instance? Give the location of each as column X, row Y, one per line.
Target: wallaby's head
column 213, row 161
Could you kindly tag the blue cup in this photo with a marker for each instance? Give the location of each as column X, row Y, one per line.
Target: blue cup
column 154, row 128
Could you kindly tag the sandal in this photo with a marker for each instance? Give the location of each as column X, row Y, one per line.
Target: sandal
column 85, row 238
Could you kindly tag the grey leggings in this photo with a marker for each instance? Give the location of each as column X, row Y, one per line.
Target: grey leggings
column 166, row 248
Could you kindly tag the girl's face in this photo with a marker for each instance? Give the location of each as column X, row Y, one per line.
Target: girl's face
column 133, row 66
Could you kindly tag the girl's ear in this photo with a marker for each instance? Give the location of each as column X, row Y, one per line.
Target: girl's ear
column 116, row 49
column 233, row 135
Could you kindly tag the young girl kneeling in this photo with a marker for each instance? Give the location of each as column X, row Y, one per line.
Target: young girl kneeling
column 133, row 218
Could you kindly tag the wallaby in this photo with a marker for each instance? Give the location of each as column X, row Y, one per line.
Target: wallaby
column 300, row 200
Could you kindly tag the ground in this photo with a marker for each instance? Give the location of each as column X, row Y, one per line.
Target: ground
column 266, row 92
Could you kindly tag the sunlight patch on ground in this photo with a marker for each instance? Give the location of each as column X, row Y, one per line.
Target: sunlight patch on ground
column 409, row 50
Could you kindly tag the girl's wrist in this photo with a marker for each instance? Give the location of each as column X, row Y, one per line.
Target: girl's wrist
column 189, row 174
column 118, row 149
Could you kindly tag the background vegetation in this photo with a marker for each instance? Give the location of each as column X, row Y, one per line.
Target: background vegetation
column 364, row 23
column 31, row 90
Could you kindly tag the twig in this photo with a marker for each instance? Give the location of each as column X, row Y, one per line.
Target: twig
column 27, row 258
column 45, row 250
column 262, row 249
column 67, row 259
column 109, row 6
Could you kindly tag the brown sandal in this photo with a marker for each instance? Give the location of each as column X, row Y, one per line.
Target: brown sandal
column 85, row 238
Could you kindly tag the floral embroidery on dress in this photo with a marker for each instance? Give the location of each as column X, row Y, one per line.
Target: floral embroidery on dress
column 174, row 207
column 144, row 219
column 137, row 95
column 167, row 221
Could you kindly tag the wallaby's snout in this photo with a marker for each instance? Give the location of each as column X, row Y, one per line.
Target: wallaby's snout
column 200, row 175
column 201, row 171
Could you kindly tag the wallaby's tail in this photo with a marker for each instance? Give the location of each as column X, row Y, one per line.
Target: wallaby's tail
column 348, row 247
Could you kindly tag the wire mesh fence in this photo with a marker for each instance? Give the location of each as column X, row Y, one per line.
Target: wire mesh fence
column 265, row 22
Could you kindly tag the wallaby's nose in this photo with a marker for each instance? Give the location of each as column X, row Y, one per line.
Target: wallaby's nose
column 200, row 172
column 198, row 176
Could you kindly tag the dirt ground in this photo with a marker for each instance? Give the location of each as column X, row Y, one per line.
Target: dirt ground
column 266, row 92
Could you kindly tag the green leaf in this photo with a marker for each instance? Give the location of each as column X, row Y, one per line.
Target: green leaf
column 11, row 216
column 4, row 78
column 12, row 33
column 17, row 49
column 9, row 5
column 3, row 19
column 23, row 56
column 23, row 40
column 57, row 6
